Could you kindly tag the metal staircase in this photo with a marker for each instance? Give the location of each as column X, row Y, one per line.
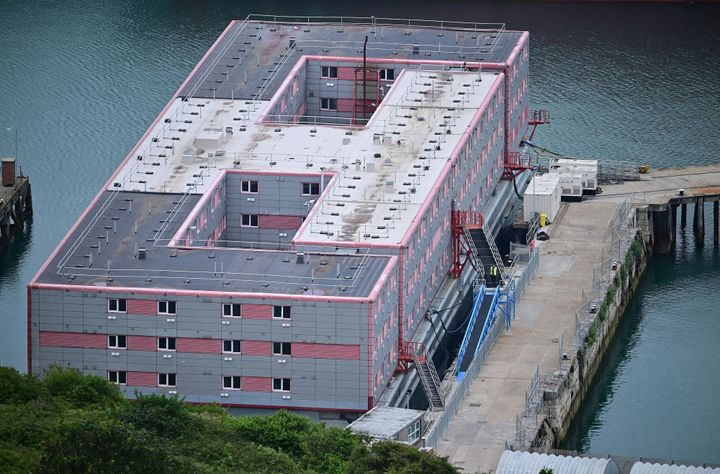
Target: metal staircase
column 496, row 254
column 474, row 255
column 430, row 381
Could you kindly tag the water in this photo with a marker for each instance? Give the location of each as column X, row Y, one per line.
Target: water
column 82, row 80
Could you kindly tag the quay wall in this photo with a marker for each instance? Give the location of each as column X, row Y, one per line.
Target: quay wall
column 561, row 394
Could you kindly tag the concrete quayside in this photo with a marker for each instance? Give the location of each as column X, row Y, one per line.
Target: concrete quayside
column 532, row 382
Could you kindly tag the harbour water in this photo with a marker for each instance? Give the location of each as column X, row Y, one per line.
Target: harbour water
column 82, row 80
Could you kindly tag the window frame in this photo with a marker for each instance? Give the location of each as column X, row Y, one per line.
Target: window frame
column 168, row 381
column 118, row 374
column 310, row 187
column 233, row 343
column 117, row 341
column 232, row 310
column 282, row 347
column 118, row 304
column 283, row 309
column 233, row 379
column 282, row 381
column 383, row 74
column 248, row 183
column 328, row 72
column 167, row 343
column 414, row 429
column 250, row 218
column 331, row 103
column 168, row 304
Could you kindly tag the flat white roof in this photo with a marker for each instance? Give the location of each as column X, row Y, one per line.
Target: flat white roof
column 543, row 184
column 415, row 130
column 385, row 422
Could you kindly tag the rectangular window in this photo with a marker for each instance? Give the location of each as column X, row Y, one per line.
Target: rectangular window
column 311, row 189
column 281, row 348
column 328, row 72
column 231, row 345
column 249, row 220
column 414, row 432
column 167, row 307
column 232, row 383
column 328, row 104
column 116, row 305
column 281, row 385
column 117, row 342
column 166, row 343
column 387, row 74
column 117, row 376
column 231, row 310
column 166, row 380
column 249, row 187
column 281, row 312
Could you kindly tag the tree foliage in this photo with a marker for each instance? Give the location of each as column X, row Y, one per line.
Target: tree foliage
column 69, row 422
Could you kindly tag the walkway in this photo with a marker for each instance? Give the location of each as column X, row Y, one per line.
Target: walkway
column 477, row 434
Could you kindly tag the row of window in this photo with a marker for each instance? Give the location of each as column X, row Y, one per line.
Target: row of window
column 331, row 72
column 232, row 382
column 231, row 310
column 308, row 189
column 170, row 344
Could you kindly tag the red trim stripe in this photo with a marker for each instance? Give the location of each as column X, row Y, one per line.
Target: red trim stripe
column 267, row 221
column 326, row 351
column 256, row 348
column 142, row 343
column 256, row 311
column 147, row 307
column 73, row 339
column 142, row 379
column 256, row 384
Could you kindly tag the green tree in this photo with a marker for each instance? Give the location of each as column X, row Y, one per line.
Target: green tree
column 396, row 458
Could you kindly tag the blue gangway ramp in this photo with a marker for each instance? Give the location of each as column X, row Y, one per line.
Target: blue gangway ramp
column 482, row 318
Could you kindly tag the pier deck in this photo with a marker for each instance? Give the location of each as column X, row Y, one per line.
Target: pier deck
column 476, row 436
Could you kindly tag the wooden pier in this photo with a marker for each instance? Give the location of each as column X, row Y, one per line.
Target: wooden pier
column 15, row 202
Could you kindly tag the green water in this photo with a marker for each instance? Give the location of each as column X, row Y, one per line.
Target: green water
column 81, row 81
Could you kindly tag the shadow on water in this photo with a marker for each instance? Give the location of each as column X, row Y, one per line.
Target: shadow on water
column 13, row 256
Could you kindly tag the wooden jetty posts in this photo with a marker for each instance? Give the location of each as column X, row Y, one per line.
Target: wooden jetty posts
column 15, row 201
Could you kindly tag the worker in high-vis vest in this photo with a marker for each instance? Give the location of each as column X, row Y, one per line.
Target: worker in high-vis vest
column 493, row 274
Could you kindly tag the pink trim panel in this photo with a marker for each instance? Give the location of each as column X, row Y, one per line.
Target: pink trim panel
column 142, row 343
column 73, row 339
column 256, row 311
column 256, row 384
column 199, row 345
column 326, row 351
column 142, row 379
column 146, row 307
column 256, row 348
column 346, row 73
column 267, row 221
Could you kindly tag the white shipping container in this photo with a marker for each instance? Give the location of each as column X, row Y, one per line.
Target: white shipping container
column 542, row 195
column 571, row 185
column 587, row 169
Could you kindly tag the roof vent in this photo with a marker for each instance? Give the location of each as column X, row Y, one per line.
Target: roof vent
column 300, row 258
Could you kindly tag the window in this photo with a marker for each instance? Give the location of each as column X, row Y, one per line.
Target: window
column 232, row 383
column 328, row 104
column 387, row 74
column 249, row 220
column 231, row 310
column 281, row 312
column 281, row 385
column 166, row 307
column 231, row 345
column 281, row 348
column 117, row 342
column 311, row 189
column 166, row 343
column 328, row 72
column 117, row 376
column 414, row 432
column 117, row 305
column 166, row 380
column 248, row 186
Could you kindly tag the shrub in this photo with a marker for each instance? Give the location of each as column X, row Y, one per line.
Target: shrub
column 18, row 388
column 603, row 311
column 79, row 390
column 592, row 333
column 385, row 456
column 166, row 416
column 636, row 248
